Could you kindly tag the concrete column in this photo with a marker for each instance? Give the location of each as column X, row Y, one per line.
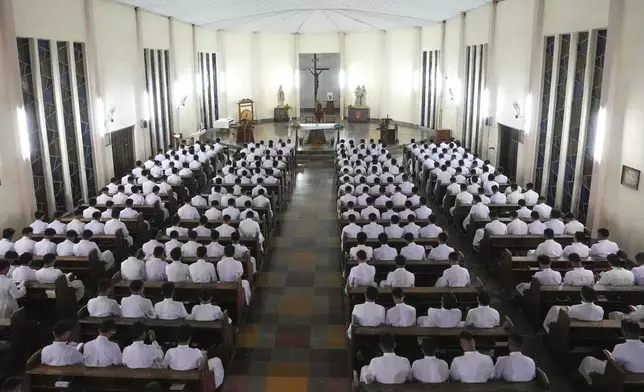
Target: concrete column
column 607, row 146
column 417, row 91
column 490, row 134
column 221, row 67
column 172, row 88
column 384, row 77
column 255, row 71
column 343, row 73
column 296, row 76
column 141, row 139
column 16, row 182
column 441, row 75
column 460, row 126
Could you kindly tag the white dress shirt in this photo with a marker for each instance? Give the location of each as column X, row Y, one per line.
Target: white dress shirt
column 482, row 317
column 155, row 269
column 454, row 276
column 385, row 252
column 136, row 306
column 603, row 248
column 536, row 227
column 48, row 274
column 369, row 314
column 442, row 318
column 189, row 249
column 44, row 247
column 548, row 277
column 638, row 273
column 100, row 352
column 617, row 276
column 362, row 274
column 23, row 273
column 387, row 369
column 187, row 211
column 353, row 252
column 498, row 198
column 183, row 358
column 225, row 230
column 401, row 315
column 5, row 246
column 586, row 311
column 119, row 198
column 430, row 231
column 112, row 225
column 556, row 225
column 96, row 227
column 576, row 247
column 103, row 306
column 213, row 214
column 176, row 271
column 139, row 355
column 399, row 277
column 229, row 269
column 60, row 354
column 430, row 370
column 169, row 309
column 517, row 227
column 59, row 226
column 550, row 248
column 364, row 214
column 515, row 367
column 441, row 252
column 38, row 226
column 88, row 212
column 202, row 272
column 524, row 213
column 531, row 197
column 573, row 226
column 9, row 293
column 413, row 251
column 133, row 269
column 394, row 231
column 472, row 367
column 215, row 249
column 514, row 197
column 170, row 245
column 579, row 277
column 24, row 245
column 205, row 312
column 543, row 209
column 372, row 229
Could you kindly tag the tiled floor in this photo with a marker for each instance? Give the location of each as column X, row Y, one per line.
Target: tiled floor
column 294, row 336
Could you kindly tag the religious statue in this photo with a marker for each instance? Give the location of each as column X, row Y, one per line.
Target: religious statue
column 280, row 97
column 360, row 97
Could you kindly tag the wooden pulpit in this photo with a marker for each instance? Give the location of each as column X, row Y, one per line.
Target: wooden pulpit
column 245, row 132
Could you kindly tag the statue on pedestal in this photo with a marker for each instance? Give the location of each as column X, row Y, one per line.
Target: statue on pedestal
column 280, row 97
column 361, row 97
column 363, row 100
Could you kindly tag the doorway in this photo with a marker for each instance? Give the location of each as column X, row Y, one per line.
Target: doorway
column 325, row 69
column 508, row 149
column 123, row 150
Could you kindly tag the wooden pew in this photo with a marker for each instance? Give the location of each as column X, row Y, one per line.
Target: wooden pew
column 492, row 246
column 365, row 340
column 252, row 244
column 616, row 379
column 229, row 296
column 214, row 336
column 116, row 243
column 463, row 211
column 137, row 227
column 379, row 208
column 537, row 300
column 41, row 296
column 426, row 272
column 420, row 298
column 212, row 224
column 18, row 338
column 41, row 378
column 150, row 213
column 397, row 243
column 383, row 222
column 541, row 383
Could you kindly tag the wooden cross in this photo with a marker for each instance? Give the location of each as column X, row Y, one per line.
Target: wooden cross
column 315, row 71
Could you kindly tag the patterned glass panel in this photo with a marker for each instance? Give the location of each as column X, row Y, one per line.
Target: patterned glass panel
column 51, row 124
column 595, row 99
column 31, row 114
column 562, row 79
column 545, row 106
column 68, row 116
column 575, row 121
column 209, row 103
column 163, row 130
column 86, row 135
column 155, row 102
column 215, row 90
column 424, row 90
column 168, row 101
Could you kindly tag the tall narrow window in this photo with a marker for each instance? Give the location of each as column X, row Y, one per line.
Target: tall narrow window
column 429, row 88
column 475, row 82
column 545, row 107
column 83, row 104
column 208, row 97
column 157, row 82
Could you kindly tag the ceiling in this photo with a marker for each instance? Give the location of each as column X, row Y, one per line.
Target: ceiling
column 309, row 16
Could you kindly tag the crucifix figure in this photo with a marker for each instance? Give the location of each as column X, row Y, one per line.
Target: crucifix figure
column 315, row 71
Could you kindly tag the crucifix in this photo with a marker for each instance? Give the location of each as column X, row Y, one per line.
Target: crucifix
column 315, row 71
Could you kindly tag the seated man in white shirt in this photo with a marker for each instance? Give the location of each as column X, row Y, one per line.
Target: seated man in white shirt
column 188, row 212
column 448, row 316
column 176, row 271
column 399, row 277
column 497, row 197
column 455, row 275
column 542, row 208
column 231, row 270
column 578, row 246
column 394, row 230
column 89, row 211
column 86, row 245
column 389, row 368
column 128, row 212
column 155, row 266
column 39, row 225
column 384, row 252
column 369, row 313
column 25, row 244
column 139, row 355
column 472, row 367
column 401, row 315
column 373, row 229
column 483, row 316
column 22, row 272
column 408, row 213
column 61, row 352
column 49, row 274
column 206, row 310
column 107, row 214
column 202, row 271
column 516, row 225
column 136, row 305
column 629, row 355
column 57, row 225
column 536, row 227
column 530, row 196
column 513, row 193
column 515, row 367
column 175, row 221
column 586, row 311
column 46, row 245
column 429, row 370
column 95, row 225
column 578, row 276
column 362, row 274
column 183, row 357
column 546, row 275
column 617, row 275
column 102, row 305
column 555, row 223
column 412, row 251
column 549, row 247
column 572, row 225
column 478, row 210
column 133, row 267
column 442, row 251
column 431, row 230
column 523, row 211
column 495, row 227
column 169, row 309
column 604, row 246
column 463, row 197
column 189, row 249
column 362, row 241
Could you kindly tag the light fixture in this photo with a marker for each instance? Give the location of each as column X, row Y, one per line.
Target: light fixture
column 451, row 94
column 599, row 135
column 25, row 149
column 110, row 115
column 517, row 110
column 182, row 101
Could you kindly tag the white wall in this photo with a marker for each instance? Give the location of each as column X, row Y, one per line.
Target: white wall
column 155, row 31
column 237, row 49
column 399, row 95
column 319, row 43
column 574, row 15
column 276, row 67
column 432, row 37
column 206, row 40
column 477, row 26
column 62, row 20
column 363, row 58
column 184, row 84
column 451, row 71
column 512, row 58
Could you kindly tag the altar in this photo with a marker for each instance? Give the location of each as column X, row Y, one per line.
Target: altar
column 317, row 133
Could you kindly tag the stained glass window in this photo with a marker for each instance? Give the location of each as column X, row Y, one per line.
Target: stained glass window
column 545, row 106
column 86, row 135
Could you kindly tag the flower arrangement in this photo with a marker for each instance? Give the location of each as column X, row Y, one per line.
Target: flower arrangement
column 338, row 126
column 287, row 107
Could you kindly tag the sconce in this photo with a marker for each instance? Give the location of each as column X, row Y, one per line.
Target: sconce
column 517, row 111
column 110, row 114
column 182, row 101
column 451, row 94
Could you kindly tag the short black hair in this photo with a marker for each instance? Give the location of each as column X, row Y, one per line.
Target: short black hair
column 184, row 333
column 543, row 260
column 61, row 328
column 107, row 326
column 397, row 293
column 167, row 289
column 371, row 293
column 136, row 285
column 484, row 298
column 429, row 346
column 516, row 339
column 387, row 341
column 104, row 285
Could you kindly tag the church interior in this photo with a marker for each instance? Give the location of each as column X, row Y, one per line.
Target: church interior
column 321, row 195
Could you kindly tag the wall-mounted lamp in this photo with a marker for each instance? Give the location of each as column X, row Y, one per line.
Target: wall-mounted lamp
column 517, row 111
column 110, row 115
column 182, row 101
column 451, row 94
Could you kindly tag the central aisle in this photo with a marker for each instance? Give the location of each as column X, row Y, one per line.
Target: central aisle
column 294, row 336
